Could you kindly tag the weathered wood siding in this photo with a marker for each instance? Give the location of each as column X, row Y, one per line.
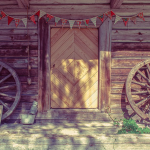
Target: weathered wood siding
column 130, row 45
column 13, row 42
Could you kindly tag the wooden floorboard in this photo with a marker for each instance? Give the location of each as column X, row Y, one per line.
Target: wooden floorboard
column 94, row 135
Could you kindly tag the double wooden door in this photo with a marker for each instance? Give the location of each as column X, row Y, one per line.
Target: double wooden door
column 74, row 68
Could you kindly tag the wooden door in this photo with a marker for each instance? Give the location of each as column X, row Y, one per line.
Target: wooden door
column 74, row 68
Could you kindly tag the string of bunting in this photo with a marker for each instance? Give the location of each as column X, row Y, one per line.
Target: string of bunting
column 41, row 13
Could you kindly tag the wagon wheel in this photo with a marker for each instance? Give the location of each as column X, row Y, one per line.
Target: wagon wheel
column 138, row 89
column 10, row 89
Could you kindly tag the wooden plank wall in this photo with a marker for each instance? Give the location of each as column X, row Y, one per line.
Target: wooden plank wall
column 13, row 42
column 130, row 45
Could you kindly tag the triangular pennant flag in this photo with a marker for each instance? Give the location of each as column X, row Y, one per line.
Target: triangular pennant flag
column 117, row 19
column 17, row 22
column 79, row 23
column 33, row 19
column 133, row 19
column 56, row 20
column 141, row 15
column 71, row 22
column 110, row 14
column 94, row 20
column 101, row 17
column 2, row 15
column 24, row 20
column 42, row 13
column 37, row 13
column 63, row 21
column 86, row 22
column 10, row 19
column 49, row 17
column 125, row 20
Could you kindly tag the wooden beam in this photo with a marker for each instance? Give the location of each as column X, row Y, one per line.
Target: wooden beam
column 115, row 3
column 23, row 3
column 43, row 66
column 105, row 64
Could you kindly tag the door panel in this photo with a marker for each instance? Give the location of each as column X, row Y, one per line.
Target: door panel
column 74, row 68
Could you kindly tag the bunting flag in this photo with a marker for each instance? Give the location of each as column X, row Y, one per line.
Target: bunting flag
column 86, row 22
column 79, row 23
column 2, row 15
column 42, row 13
column 49, row 17
column 125, row 20
column 63, row 22
column 101, row 17
column 24, row 20
column 141, row 15
column 117, row 19
column 71, row 22
column 94, row 20
column 56, row 20
column 33, row 19
column 17, row 22
column 37, row 13
column 10, row 19
column 110, row 14
column 133, row 19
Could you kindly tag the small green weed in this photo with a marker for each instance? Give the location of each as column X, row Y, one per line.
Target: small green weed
column 129, row 126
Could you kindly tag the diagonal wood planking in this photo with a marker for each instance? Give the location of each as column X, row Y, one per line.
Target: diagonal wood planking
column 74, row 68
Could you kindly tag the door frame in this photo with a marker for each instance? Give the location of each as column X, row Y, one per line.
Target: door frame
column 104, row 63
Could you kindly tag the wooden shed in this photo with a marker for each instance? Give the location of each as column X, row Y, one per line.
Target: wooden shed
column 80, row 53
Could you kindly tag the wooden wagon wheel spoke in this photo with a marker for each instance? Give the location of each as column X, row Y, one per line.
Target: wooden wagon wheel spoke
column 5, row 78
column 144, row 85
column 138, row 89
column 10, row 89
column 5, row 106
column 148, row 70
column 143, row 76
column 3, row 94
column 142, row 101
column 6, row 87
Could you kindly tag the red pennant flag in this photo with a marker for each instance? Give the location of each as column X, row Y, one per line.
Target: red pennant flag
column 112, row 13
column 63, row 22
column 125, row 20
column 17, row 22
column 141, row 15
column 10, row 19
column 133, row 19
column 79, row 23
column 101, row 17
column 37, row 13
column 86, row 22
column 2, row 15
column 49, row 17
column 33, row 19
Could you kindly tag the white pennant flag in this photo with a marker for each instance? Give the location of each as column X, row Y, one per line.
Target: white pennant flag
column 117, row 19
column 94, row 20
column 56, row 20
column 24, row 20
column 42, row 13
column 71, row 22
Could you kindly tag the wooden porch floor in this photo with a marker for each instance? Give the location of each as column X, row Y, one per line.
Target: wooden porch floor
column 81, row 135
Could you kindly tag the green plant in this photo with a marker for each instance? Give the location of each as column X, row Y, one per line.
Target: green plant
column 129, row 126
